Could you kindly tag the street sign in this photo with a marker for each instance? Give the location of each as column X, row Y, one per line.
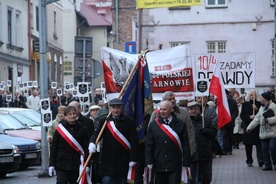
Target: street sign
column 79, row 46
column 97, row 69
column 130, row 47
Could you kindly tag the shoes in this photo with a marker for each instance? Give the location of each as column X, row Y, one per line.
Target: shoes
column 249, row 165
column 230, row 153
column 261, row 164
column 267, row 168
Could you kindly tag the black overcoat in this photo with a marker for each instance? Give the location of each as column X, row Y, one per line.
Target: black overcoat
column 247, row 110
column 114, row 158
column 62, row 156
column 162, row 152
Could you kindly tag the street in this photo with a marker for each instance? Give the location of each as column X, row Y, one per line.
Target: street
column 27, row 176
column 228, row 169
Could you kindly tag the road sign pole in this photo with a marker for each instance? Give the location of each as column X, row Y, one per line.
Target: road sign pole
column 83, row 60
column 43, row 81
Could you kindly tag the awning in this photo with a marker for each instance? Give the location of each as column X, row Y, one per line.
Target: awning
column 36, row 56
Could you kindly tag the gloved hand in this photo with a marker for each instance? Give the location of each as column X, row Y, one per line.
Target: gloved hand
column 51, row 170
column 131, row 164
column 150, row 166
column 87, row 170
column 92, row 148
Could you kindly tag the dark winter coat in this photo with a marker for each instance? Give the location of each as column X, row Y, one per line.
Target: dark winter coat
column 62, row 156
column 161, row 151
column 247, row 110
column 88, row 123
column 204, row 136
column 234, row 111
column 114, row 157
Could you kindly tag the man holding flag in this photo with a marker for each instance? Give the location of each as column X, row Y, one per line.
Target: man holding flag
column 120, row 145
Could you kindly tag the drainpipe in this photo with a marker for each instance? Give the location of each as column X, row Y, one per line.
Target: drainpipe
column 117, row 24
column 29, row 39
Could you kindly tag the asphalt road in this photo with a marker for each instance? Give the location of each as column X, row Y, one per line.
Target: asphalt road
column 27, row 176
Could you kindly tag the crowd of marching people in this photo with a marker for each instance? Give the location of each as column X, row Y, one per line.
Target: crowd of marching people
column 181, row 139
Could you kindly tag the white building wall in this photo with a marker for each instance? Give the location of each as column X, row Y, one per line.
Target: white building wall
column 17, row 52
column 99, row 35
column 232, row 24
column 70, row 30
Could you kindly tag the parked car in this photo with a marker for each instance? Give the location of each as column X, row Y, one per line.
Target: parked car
column 29, row 150
column 27, row 116
column 9, row 158
column 13, row 127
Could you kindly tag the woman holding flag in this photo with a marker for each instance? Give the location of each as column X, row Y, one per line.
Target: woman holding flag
column 69, row 149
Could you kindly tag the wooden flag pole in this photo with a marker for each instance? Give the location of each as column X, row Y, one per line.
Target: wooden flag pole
column 104, row 125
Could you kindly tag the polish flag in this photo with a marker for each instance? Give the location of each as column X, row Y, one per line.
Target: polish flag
column 217, row 89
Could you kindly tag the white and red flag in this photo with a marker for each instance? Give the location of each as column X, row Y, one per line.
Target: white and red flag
column 217, row 88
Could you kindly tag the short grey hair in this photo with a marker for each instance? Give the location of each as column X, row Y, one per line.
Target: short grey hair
column 167, row 93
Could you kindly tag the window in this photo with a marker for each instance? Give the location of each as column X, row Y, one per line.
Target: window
column 174, row 44
column 273, row 57
column 216, row 46
column 31, row 16
column 55, row 25
column 37, row 18
column 17, row 29
column 10, row 26
column 216, row 3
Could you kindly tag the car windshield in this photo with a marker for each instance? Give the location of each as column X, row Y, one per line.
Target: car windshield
column 7, row 122
column 25, row 120
column 31, row 114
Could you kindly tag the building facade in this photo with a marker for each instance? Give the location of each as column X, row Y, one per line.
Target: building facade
column 217, row 27
column 14, row 47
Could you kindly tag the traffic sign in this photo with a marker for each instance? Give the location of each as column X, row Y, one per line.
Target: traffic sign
column 130, row 47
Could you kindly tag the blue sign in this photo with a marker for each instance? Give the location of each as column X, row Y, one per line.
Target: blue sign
column 130, row 47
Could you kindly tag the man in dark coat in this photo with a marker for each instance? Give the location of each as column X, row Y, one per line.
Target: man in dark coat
column 227, row 130
column 248, row 112
column 119, row 150
column 201, row 162
column 164, row 154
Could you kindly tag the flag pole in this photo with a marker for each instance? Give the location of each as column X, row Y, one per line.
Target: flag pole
column 104, row 125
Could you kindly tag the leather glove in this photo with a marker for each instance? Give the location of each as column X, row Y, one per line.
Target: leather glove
column 51, row 170
column 92, row 148
column 150, row 166
column 131, row 164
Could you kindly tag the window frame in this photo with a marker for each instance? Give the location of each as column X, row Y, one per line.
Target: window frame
column 17, row 29
column 216, row 46
column 9, row 25
column 216, row 5
column 175, row 44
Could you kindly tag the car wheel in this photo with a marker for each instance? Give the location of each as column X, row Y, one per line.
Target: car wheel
column 3, row 174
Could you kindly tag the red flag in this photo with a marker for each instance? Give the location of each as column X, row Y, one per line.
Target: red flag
column 217, row 88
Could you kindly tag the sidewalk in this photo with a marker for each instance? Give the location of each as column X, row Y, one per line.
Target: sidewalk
column 232, row 169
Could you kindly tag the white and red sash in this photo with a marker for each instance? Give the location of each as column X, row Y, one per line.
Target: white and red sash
column 125, row 143
column 118, row 135
column 171, row 134
column 185, row 173
column 76, row 146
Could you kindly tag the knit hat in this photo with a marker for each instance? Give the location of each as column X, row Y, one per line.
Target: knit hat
column 267, row 95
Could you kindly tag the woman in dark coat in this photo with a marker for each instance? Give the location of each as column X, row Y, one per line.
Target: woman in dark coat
column 251, row 138
column 63, row 157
